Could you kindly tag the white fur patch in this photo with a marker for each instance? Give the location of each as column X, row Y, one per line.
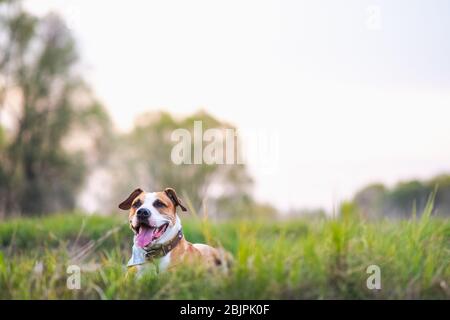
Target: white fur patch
column 164, row 263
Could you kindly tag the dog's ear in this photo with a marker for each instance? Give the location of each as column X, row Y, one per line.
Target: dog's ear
column 174, row 198
column 126, row 204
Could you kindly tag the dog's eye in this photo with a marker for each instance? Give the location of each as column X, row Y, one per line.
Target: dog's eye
column 159, row 204
column 137, row 204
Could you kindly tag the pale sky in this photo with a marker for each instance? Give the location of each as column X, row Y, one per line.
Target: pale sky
column 358, row 91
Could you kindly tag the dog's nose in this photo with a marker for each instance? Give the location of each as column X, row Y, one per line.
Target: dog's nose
column 143, row 213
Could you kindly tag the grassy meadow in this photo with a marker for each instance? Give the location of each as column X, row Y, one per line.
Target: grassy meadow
column 295, row 259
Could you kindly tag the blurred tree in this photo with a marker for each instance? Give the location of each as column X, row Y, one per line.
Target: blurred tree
column 39, row 172
column 144, row 160
column 406, row 198
column 441, row 185
column 370, row 200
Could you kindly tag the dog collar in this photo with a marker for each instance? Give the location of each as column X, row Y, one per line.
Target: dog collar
column 160, row 250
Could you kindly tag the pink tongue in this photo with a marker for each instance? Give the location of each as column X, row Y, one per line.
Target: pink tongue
column 145, row 236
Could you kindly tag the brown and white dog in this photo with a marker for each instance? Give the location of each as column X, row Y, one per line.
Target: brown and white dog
column 158, row 235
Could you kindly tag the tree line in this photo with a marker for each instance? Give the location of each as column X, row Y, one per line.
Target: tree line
column 405, row 198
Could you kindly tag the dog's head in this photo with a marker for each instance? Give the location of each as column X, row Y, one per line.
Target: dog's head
column 152, row 214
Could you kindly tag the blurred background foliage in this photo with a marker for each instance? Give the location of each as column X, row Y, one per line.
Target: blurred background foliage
column 42, row 169
column 58, row 146
column 404, row 199
column 142, row 157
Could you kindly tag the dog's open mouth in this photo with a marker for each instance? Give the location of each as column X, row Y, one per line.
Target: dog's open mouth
column 146, row 235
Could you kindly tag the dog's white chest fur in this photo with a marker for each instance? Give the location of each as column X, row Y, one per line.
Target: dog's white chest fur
column 162, row 265
column 164, row 262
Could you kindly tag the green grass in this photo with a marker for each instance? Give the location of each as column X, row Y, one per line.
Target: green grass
column 301, row 259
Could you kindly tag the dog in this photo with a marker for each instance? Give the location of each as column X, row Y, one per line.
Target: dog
column 158, row 234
